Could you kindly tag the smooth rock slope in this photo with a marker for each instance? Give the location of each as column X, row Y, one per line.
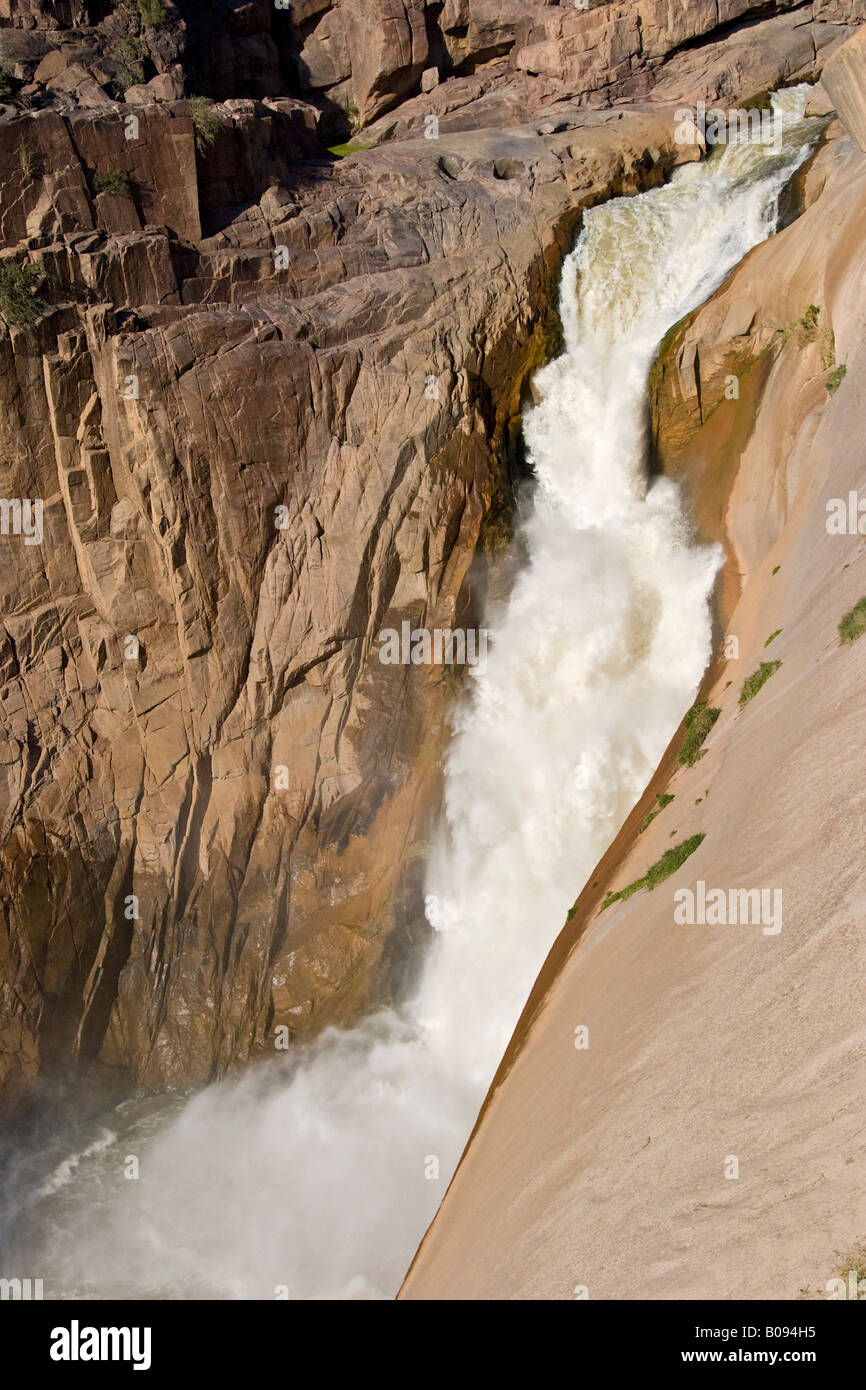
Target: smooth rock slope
column 706, row 1142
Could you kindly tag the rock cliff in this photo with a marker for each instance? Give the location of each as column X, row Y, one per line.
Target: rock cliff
column 715, row 1114
column 268, row 400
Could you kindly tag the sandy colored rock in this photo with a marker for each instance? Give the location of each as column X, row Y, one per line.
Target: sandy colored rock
column 219, row 829
column 605, row 1167
column 844, row 79
column 252, row 775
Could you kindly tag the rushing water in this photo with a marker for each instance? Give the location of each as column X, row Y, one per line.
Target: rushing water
column 314, row 1174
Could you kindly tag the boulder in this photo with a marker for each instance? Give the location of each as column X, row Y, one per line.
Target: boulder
column 844, row 79
column 166, row 86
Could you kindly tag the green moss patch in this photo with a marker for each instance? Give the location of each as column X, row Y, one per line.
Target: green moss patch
column 757, row 679
column 698, row 722
column 659, row 871
column 853, row 625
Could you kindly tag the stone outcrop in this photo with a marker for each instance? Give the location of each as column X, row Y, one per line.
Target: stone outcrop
column 268, row 400
column 215, row 796
column 355, row 62
column 843, row 80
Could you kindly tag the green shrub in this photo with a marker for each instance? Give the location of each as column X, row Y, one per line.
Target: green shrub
column 19, row 303
column 151, row 13
column 659, row 871
column 835, row 379
column 205, row 122
column 128, row 55
column 113, row 181
column 772, row 637
column 806, row 328
column 757, row 679
column 853, row 625
column 699, row 720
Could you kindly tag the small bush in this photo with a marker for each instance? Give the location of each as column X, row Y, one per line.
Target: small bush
column 353, row 116
column 853, row 625
column 699, row 720
column 113, row 181
column 854, row 1259
column 835, row 379
column 806, row 328
column 757, row 679
column 205, row 122
column 129, row 55
column 772, row 637
column 19, row 303
column 151, row 13
column 659, row 871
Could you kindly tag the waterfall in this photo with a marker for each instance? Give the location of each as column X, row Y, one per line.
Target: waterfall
column 319, row 1174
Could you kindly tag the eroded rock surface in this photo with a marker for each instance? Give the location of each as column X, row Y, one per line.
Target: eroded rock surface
column 610, row 1169
column 268, row 400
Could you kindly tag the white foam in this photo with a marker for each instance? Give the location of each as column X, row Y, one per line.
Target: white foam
column 311, row 1174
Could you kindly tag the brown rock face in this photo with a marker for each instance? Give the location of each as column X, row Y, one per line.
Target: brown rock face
column 266, row 401
column 216, row 796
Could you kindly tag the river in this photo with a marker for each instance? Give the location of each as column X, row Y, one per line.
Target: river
column 316, row 1176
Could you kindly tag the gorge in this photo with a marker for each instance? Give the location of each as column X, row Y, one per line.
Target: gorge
column 585, row 530
column 323, row 1173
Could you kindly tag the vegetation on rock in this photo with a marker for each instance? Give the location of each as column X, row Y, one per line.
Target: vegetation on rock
column 19, row 303
column 853, row 625
column 114, row 182
column 659, row 871
column 205, row 122
column 699, row 720
column 757, row 679
column 151, row 13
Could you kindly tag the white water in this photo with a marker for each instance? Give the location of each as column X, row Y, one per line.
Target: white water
column 311, row 1174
